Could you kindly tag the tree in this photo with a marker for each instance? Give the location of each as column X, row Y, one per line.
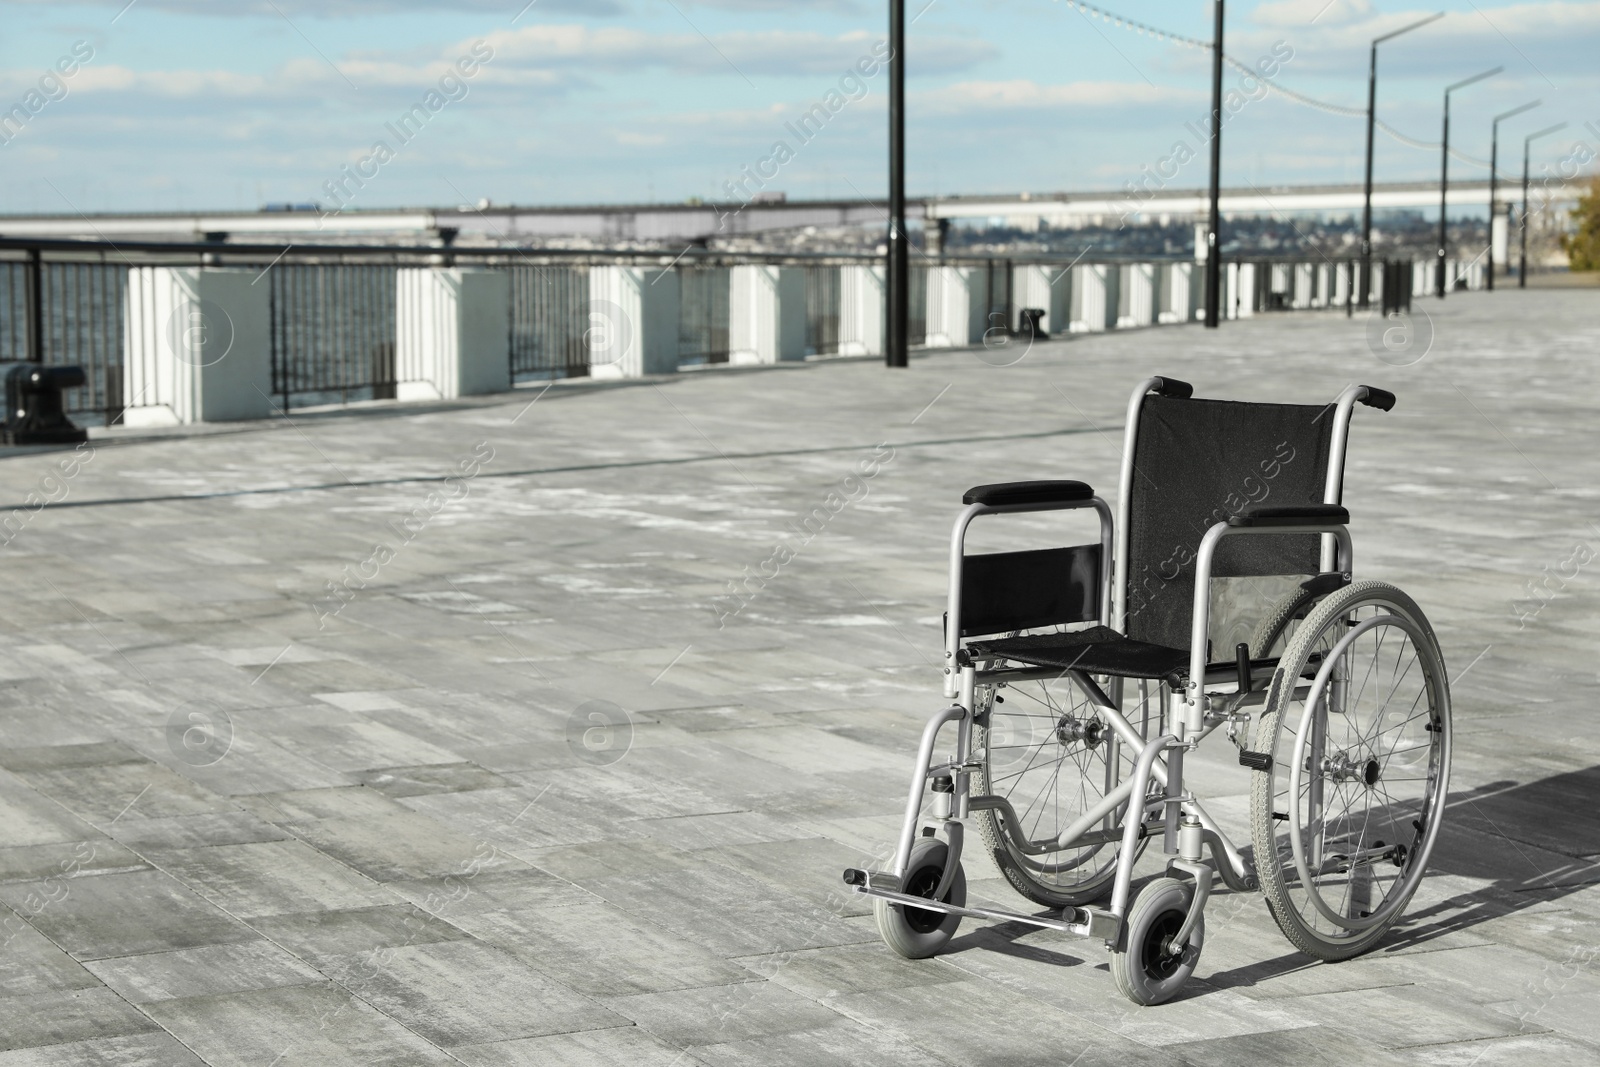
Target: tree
column 1583, row 245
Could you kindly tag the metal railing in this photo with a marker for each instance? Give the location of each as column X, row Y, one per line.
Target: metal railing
column 333, row 308
column 333, row 332
column 703, row 315
column 549, row 321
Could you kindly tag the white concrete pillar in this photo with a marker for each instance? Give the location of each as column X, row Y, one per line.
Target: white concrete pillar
column 1247, row 290
column 198, row 346
column 452, row 332
column 1096, row 292
column 633, row 321
column 1030, row 288
column 1304, row 286
column 766, row 314
column 1142, row 294
column 955, row 306
column 1339, row 290
column 1230, row 291
column 861, row 296
column 1180, row 292
column 1499, row 230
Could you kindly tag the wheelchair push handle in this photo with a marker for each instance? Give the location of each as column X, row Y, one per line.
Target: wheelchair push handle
column 1374, row 397
column 1171, row 387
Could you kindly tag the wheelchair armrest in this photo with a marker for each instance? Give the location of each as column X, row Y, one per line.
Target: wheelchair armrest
column 1005, row 494
column 1303, row 515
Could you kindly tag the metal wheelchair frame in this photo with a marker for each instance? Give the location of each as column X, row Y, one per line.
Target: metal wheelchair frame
column 1209, row 700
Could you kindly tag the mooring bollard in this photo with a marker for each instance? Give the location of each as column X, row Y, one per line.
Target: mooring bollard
column 34, row 412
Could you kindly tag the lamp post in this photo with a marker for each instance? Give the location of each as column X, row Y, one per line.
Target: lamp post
column 1372, row 117
column 898, row 292
column 1494, row 161
column 1444, row 172
column 1522, row 267
column 1214, row 223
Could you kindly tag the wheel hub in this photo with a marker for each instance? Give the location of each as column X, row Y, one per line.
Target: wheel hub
column 1088, row 731
column 1342, row 768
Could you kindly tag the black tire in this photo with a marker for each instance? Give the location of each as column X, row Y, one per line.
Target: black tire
column 916, row 933
column 1144, row 970
column 1275, row 630
column 1320, row 823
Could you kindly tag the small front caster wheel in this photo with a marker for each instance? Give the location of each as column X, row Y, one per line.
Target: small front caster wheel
column 1148, row 971
column 913, row 932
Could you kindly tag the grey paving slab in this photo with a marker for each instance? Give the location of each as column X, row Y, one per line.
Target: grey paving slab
column 56, row 1018
column 1311, row 1046
column 142, row 1050
column 467, row 992
column 622, row 1046
column 37, row 862
column 271, row 878
column 428, row 739
column 718, row 1014
column 206, row 971
column 27, row 817
column 389, row 848
column 31, row 964
column 329, row 939
column 122, row 914
column 600, row 950
column 301, row 1024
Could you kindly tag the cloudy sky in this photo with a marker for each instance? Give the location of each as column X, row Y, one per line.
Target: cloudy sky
column 235, row 103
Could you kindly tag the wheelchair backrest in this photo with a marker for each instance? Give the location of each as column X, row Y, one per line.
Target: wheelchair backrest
column 1197, row 462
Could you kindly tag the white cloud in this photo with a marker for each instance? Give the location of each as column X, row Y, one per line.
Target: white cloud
column 1066, row 99
column 351, row 8
column 758, row 53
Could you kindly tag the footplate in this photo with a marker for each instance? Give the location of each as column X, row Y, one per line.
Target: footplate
column 1080, row 922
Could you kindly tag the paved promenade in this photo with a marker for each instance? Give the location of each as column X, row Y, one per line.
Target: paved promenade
column 425, row 735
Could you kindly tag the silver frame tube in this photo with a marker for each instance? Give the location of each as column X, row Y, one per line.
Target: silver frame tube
column 919, row 783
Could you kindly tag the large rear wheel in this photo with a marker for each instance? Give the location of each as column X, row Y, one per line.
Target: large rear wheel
column 1358, row 726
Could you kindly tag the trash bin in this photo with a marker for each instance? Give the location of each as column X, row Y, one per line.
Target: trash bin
column 34, row 412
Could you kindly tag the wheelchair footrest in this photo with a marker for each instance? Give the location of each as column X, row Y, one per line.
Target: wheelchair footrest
column 1081, row 922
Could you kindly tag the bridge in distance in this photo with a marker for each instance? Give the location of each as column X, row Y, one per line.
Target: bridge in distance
column 619, row 224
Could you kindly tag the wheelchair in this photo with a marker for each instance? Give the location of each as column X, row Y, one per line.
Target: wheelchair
column 1338, row 703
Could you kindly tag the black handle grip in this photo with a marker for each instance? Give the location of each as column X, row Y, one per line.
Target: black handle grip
column 1173, row 387
column 1241, row 653
column 1381, row 399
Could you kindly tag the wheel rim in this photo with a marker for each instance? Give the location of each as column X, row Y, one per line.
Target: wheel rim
column 922, row 883
column 1157, row 962
column 1048, row 752
column 1356, row 808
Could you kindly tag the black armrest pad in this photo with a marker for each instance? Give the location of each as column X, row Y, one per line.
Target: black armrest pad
column 1304, row 515
column 1049, row 492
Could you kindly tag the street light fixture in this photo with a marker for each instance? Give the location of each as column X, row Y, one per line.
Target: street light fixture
column 1494, row 173
column 1444, row 172
column 898, row 328
column 1522, row 268
column 1214, row 220
column 1372, row 116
